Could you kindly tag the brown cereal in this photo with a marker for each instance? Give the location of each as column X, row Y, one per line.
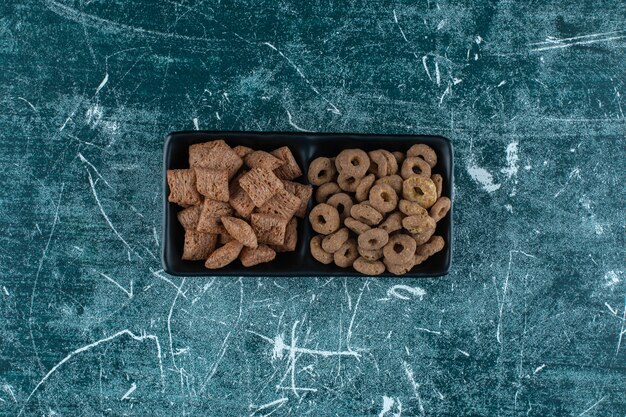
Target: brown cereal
column 347, row 183
column 383, row 198
column 363, row 189
column 425, row 152
column 262, row 159
column 438, row 180
column 392, row 163
column 421, row 190
column 239, row 199
column 373, row 239
column 290, row 169
column 399, row 157
column 371, row 255
column 211, row 215
column 413, row 166
column 367, row 267
column 326, row 190
column 441, row 207
column 411, row 208
column 343, row 203
column 418, row 223
column 261, row 254
column 398, row 269
column 366, row 214
column 356, row 226
column 392, row 223
column 419, row 259
column 225, row 238
column 182, row 184
column 242, row 151
column 269, row 228
column 400, row 249
column 198, row 246
column 434, row 245
column 379, row 165
column 318, row 253
column 303, row 192
column 188, row 218
column 291, row 237
column 395, row 181
column 283, row 204
column 260, row 184
column 216, row 155
column 224, row 255
column 240, row 231
column 352, row 163
column 324, row 219
column 321, row 171
column 334, row 241
column 347, row 254
column 212, row 183
column 421, row 238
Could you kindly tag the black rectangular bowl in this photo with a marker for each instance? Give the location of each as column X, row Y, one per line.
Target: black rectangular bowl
column 305, row 148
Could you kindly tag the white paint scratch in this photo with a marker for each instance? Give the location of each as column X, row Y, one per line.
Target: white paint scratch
column 295, row 126
column 539, row 369
column 585, row 42
column 102, row 84
column 132, row 389
column 396, row 291
column 280, row 402
column 90, row 346
column 462, row 352
column 593, row 406
column 195, row 123
column 483, row 177
column 279, row 348
column 424, row 58
column 395, row 19
column 576, row 172
column 128, row 293
column 85, row 161
column 512, row 159
column 622, row 330
column 416, row 387
column 437, row 73
column 388, row 405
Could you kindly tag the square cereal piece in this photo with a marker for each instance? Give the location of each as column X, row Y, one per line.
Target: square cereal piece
column 188, row 217
column 290, row 169
column 211, row 216
column 216, row 155
column 242, row 151
column 261, row 159
column 260, row 184
column 182, row 185
column 198, row 245
column 269, row 228
column 303, row 192
column 283, row 204
column 291, row 237
column 212, row 183
column 239, row 199
column 250, row 257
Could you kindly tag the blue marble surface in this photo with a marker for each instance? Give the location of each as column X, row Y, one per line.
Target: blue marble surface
column 531, row 319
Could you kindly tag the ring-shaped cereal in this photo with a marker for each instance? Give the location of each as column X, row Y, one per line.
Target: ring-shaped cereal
column 373, row 239
column 413, row 166
column 394, row 180
column 400, row 249
column 425, row 152
column 324, row 219
column 371, row 255
column 418, row 223
column 392, row 163
column 356, row 226
column 411, row 208
column 347, row 254
column 366, row 214
column 398, row 269
column 363, row 189
column 334, row 241
column 367, row 267
column 318, row 253
column 438, row 180
column 383, row 198
column 439, row 210
column 399, row 157
column 392, row 223
column 321, row 171
column 434, row 245
column 343, row 203
column 379, row 165
column 326, row 190
column 348, row 183
column 421, row 190
column 352, row 163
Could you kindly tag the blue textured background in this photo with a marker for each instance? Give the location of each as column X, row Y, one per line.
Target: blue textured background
column 531, row 319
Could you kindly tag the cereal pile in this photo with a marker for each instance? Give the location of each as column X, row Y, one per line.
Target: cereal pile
column 377, row 211
column 238, row 203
